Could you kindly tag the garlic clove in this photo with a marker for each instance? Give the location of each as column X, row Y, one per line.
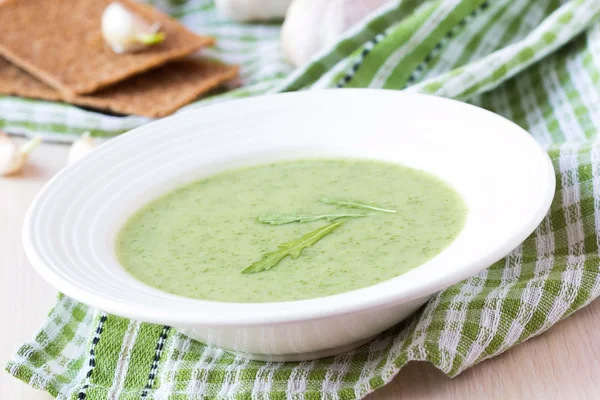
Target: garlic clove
column 12, row 157
column 126, row 32
column 253, row 10
column 80, row 148
column 311, row 26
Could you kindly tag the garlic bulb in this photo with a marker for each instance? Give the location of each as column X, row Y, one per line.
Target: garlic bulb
column 13, row 157
column 253, row 10
column 312, row 25
column 126, row 32
column 80, row 148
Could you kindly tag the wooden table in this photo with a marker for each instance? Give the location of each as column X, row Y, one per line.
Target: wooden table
column 563, row 363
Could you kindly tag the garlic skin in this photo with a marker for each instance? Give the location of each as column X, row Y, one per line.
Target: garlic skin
column 126, row 32
column 253, row 10
column 80, row 148
column 12, row 157
column 312, row 25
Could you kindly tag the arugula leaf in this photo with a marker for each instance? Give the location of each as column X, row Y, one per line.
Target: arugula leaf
column 293, row 249
column 353, row 204
column 281, row 219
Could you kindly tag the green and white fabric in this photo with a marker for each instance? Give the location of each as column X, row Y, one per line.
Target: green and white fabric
column 535, row 62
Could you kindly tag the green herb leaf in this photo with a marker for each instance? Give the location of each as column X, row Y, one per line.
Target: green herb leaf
column 281, row 219
column 293, row 249
column 353, row 204
column 152, row 38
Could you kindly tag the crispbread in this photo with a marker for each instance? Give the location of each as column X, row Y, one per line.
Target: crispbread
column 60, row 42
column 155, row 93
column 16, row 82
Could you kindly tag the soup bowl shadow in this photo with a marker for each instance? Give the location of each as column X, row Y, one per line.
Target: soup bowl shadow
column 70, row 229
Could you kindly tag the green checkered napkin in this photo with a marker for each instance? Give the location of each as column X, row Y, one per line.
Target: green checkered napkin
column 535, row 62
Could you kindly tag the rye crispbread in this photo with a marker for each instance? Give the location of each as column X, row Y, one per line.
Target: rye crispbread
column 60, row 42
column 16, row 82
column 156, row 93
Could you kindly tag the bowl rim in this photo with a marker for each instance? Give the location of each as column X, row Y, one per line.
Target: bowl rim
column 310, row 309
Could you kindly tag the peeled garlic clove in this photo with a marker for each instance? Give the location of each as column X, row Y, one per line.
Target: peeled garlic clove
column 310, row 26
column 126, row 32
column 12, row 157
column 80, row 148
column 253, row 10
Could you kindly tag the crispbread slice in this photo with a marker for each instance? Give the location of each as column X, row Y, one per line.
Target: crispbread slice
column 60, row 42
column 160, row 91
column 155, row 93
column 16, row 82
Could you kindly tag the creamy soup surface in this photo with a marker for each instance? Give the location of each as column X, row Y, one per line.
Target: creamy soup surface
column 232, row 236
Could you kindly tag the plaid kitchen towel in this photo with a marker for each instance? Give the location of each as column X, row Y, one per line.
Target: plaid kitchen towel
column 535, row 62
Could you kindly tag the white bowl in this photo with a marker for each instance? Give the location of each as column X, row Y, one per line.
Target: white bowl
column 506, row 179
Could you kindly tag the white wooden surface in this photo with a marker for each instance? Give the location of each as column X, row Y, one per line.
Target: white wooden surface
column 563, row 363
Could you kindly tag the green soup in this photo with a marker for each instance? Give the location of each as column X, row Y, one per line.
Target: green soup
column 200, row 240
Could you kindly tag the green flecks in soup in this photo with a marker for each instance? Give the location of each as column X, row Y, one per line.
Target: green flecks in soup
column 347, row 224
